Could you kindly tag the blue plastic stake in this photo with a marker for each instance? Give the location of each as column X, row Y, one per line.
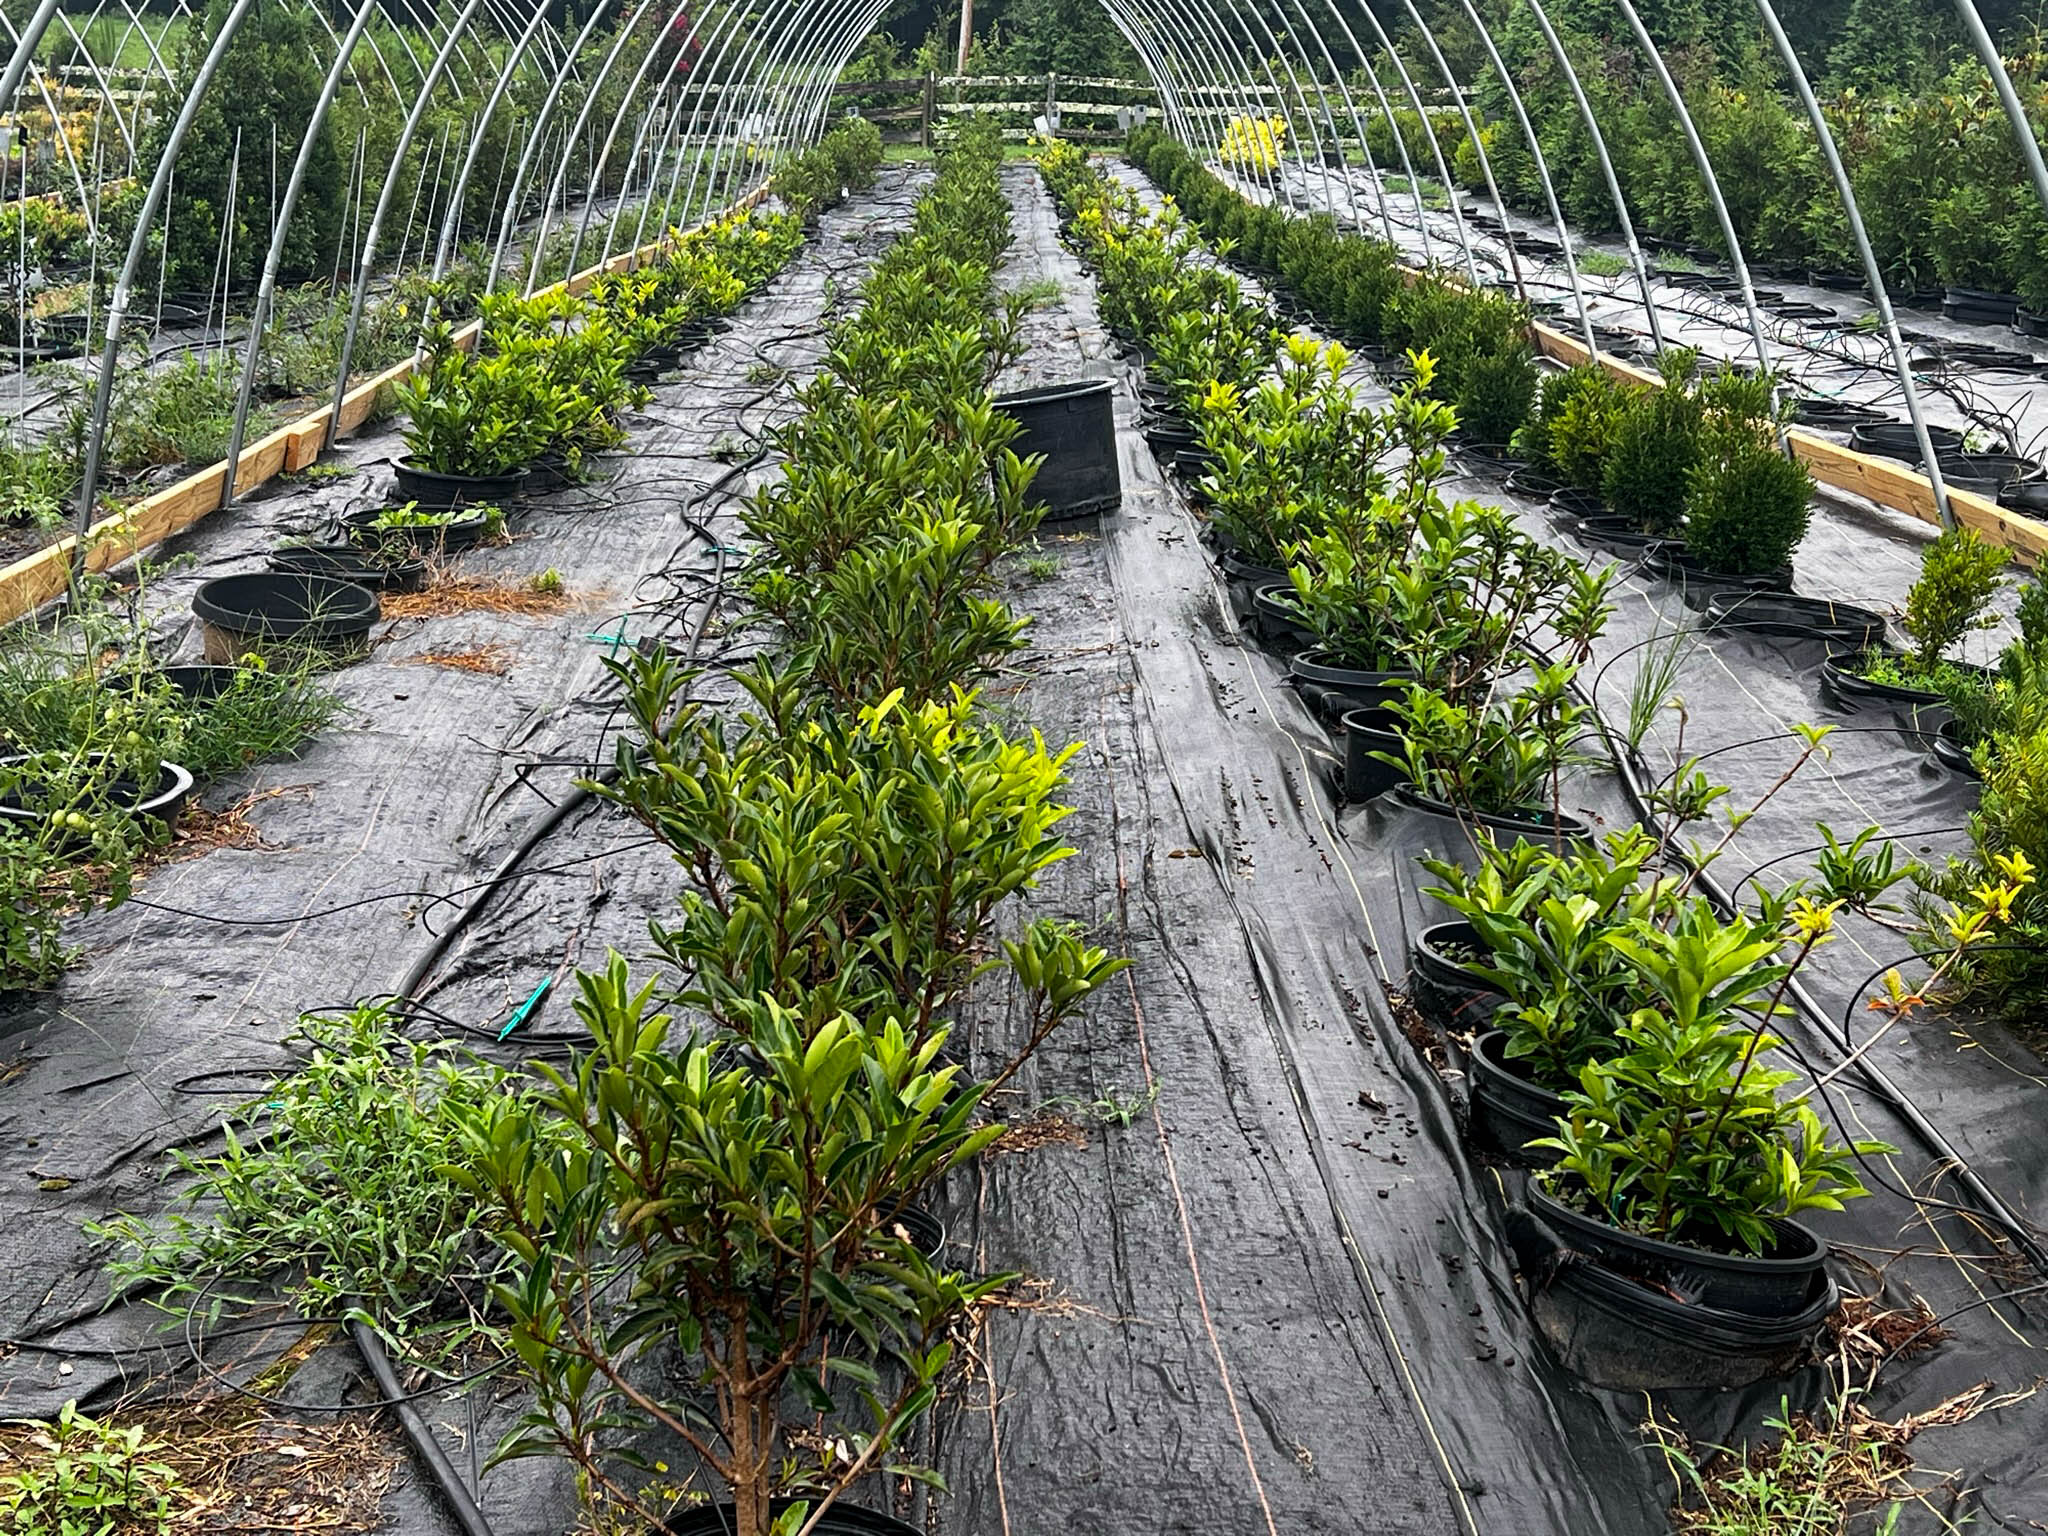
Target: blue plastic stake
column 526, row 1008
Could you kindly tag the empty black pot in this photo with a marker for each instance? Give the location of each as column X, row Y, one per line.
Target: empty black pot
column 1896, row 439
column 1794, row 617
column 1074, row 426
column 1979, row 306
column 269, row 611
column 1983, row 474
column 1367, row 731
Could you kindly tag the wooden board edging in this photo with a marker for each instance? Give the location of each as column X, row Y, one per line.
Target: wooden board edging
column 39, row 578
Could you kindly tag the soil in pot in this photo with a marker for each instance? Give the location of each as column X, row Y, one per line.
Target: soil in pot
column 1074, row 427
column 163, row 801
column 1776, row 1284
column 1331, row 688
column 1791, row 616
column 438, row 492
column 278, row 616
column 1509, row 1110
column 1447, row 994
column 1367, row 731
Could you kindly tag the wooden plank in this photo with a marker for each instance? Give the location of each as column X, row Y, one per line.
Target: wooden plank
column 1887, row 482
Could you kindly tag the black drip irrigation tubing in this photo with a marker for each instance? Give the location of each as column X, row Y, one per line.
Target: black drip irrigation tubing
column 462, row 1503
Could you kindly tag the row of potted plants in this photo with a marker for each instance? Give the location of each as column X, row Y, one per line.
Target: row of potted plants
column 1693, row 472
column 1626, row 1025
column 743, row 1146
column 546, row 377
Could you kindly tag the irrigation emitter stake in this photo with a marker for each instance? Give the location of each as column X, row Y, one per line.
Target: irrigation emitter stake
column 1599, row 142
column 1930, row 463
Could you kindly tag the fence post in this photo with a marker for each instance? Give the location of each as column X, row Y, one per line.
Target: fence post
column 1052, row 101
column 931, row 106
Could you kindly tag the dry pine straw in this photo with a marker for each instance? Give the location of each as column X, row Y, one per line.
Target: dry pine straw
column 491, row 660
column 449, row 595
column 240, row 1469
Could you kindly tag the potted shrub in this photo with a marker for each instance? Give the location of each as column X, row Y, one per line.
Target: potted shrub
column 1959, row 581
column 476, row 422
column 1681, row 1160
column 1645, row 475
column 1494, row 762
column 747, row 1204
column 1747, row 501
column 1543, row 923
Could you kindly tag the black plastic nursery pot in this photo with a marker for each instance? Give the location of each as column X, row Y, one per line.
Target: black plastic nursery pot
column 1823, row 411
column 438, row 492
column 1508, row 1110
column 1331, row 689
column 198, row 684
column 2028, row 496
column 1614, row 534
column 1367, row 731
column 1849, row 688
column 1532, row 823
column 1074, row 426
column 920, row 1228
column 2027, row 323
column 1698, row 584
column 1984, row 474
column 1274, row 621
column 1440, row 986
column 347, row 562
column 1896, row 439
column 466, row 532
column 163, row 801
column 1168, row 436
column 1791, row 616
column 1243, row 579
column 1952, row 752
column 1575, row 502
column 1979, row 306
column 1776, row 1284
column 1834, row 282
column 1619, row 1334
column 839, row 1520
column 276, row 614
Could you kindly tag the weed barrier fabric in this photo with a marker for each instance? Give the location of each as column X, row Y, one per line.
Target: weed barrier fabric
column 1259, row 949
column 1274, row 1301
column 434, row 777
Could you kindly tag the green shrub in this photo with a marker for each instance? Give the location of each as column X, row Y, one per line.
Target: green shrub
column 1747, row 502
column 1959, row 578
column 1645, row 477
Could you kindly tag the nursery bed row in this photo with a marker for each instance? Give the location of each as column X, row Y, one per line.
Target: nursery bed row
column 1381, row 844
column 472, row 716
